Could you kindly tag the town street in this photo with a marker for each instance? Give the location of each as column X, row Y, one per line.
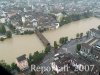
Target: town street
column 70, row 47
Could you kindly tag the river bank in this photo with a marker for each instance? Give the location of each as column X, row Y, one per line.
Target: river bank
column 71, row 29
column 25, row 44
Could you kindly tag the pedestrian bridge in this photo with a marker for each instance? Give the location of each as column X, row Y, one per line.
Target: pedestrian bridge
column 42, row 38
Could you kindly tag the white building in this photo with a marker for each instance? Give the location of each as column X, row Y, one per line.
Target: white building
column 34, row 23
column 25, row 10
column 22, row 62
column 23, row 19
column 95, row 33
column 57, row 25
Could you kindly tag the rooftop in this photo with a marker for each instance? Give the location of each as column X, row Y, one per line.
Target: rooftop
column 95, row 31
column 91, row 50
column 73, row 63
column 21, row 58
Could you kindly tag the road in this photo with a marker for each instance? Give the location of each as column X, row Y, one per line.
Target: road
column 70, row 47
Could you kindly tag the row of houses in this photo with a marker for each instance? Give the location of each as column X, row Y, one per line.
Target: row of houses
column 18, row 17
column 67, row 64
column 91, row 48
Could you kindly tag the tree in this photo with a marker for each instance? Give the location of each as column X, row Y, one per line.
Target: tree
column 78, row 47
column 11, row 26
column 63, row 40
column 77, row 35
column 81, row 35
column 14, row 67
column 5, row 65
column 99, row 27
column 47, row 49
column 8, row 67
column 55, row 45
column 87, row 34
column 8, row 34
column 36, row 58
column 2, row 39
column 2, row 29
column 41, row 56
column 30, row 59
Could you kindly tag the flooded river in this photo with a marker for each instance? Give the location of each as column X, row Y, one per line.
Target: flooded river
column 25, row 44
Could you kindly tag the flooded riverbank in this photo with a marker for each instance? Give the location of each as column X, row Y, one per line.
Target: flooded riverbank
column 25, row 44
column 72, row 29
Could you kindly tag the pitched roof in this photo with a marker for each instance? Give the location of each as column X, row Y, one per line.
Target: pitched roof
column 95, row 30
column 86, row 45
column 21, row 58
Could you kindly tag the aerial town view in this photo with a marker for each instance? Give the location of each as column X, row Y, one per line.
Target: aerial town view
column 50, row 37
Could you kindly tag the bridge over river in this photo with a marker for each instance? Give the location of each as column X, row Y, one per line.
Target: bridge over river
column 42, row 38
